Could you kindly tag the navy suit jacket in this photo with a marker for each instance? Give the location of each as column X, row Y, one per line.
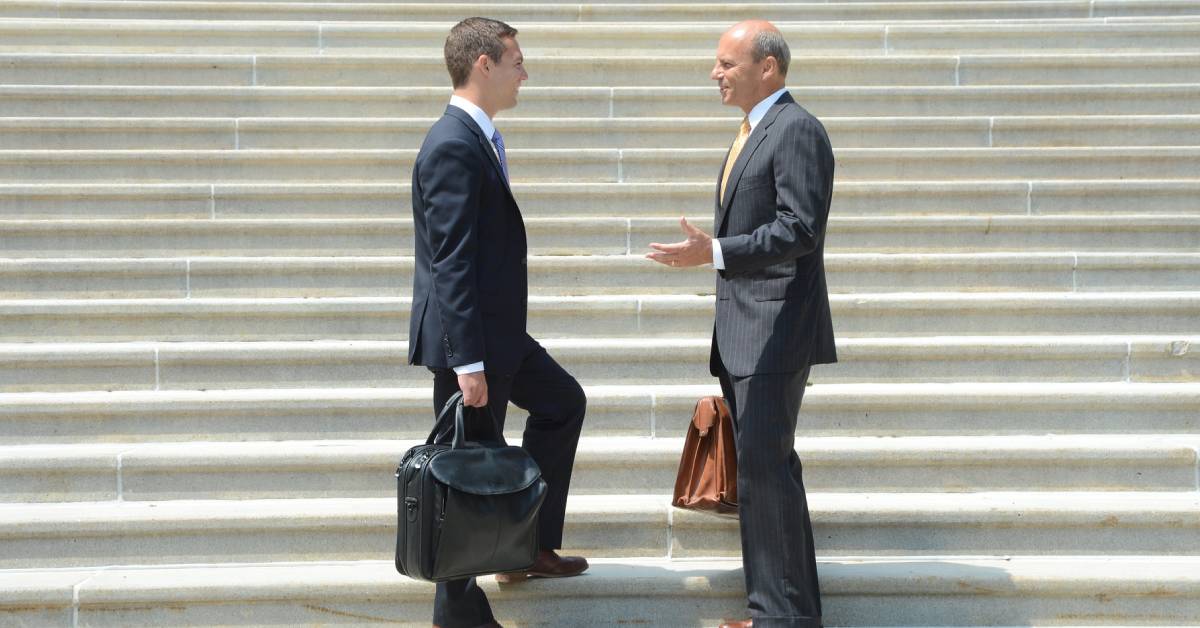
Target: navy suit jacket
column 470, row 289
column 772, row 302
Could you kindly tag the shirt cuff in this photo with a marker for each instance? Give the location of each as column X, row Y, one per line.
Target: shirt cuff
column 718, row 259
column 467, row 369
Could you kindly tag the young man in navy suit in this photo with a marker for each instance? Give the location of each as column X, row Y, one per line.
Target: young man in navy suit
column 470, row 294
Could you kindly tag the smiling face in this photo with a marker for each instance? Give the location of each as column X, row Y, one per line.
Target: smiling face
column 506, row 75
column 738, row 77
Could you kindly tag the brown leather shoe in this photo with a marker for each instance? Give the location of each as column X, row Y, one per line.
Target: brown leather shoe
column 745, row 623
column 548, row 565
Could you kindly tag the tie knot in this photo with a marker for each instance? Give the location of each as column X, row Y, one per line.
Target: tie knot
column 745, row 128
column 497, row 139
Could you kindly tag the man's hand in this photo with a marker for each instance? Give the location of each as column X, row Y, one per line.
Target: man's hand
column 694, row 251
column 474, row 389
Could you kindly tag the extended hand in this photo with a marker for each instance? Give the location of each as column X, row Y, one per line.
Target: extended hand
column 694, row 251
column 474, row 389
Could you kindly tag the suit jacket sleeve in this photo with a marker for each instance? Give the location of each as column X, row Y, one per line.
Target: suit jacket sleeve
column 803, row 173
column 449, row 181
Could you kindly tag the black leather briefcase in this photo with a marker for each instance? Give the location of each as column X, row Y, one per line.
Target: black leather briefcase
column 466, row 508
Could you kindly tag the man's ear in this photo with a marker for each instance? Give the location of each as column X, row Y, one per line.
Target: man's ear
column 482, row 63
column 770, row 67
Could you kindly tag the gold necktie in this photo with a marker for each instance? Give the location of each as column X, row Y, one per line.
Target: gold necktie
column 738, row 143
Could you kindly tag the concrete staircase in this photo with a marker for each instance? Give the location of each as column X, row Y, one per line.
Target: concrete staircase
column 205, row 250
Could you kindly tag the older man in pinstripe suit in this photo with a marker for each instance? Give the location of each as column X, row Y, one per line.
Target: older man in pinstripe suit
column 772, row 316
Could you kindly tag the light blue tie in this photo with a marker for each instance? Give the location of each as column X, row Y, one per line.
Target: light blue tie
column 498, row 140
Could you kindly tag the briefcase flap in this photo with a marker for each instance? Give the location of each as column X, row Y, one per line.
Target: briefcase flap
column 486, row 470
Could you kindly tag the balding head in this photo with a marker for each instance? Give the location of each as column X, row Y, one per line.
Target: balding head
column 752, row 63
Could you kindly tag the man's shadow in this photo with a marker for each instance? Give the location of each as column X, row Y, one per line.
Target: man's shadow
column 690, row 593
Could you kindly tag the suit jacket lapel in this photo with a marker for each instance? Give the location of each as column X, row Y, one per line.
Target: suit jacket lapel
column 486, row 142
column 759, row 133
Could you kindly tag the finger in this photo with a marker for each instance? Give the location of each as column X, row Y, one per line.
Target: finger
column 669, row 248
column 692, row 230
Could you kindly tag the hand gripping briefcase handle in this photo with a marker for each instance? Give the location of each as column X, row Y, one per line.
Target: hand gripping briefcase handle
column 467, row 508
column 451, row 424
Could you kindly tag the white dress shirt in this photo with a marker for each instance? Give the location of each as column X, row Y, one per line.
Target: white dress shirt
column 489, row 129
column 754, row 117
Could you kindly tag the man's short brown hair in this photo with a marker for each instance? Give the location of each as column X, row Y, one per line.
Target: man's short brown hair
column 470, row 38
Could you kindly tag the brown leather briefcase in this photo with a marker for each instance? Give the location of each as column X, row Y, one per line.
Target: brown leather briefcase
column 707, row 479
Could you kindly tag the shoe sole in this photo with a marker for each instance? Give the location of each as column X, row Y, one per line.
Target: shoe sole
column 532, row 575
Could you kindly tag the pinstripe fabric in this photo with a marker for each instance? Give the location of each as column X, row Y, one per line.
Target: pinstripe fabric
column 778, row 556
column 772, row 301
column 772, row 324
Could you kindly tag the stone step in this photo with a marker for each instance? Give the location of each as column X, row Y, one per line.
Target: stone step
column 542, row 102
column 588, row 236
column 601, row 12
column 603, row 466
column 662, row 411
column 94, row 534
column 164, row 69
column 386, row 318
column 910, row 28
column 43, row 133
column 34, row 367
column 898, row 591
column 294, row 201
column 588, row 165
column 848, row 273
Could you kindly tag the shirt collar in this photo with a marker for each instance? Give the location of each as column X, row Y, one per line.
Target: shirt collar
column 477, row 114
column 760, row 110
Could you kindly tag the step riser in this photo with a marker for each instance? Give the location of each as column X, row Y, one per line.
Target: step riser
column 541, row 43
column 169, row 368
column 264, row 134
column 430, row 69
column 634, row 165
column 203, row 277
column 142, row 481
column 517, row 13
column 621, row 535
column 129, row 324
column 541, row 200
column 681, row 610
column 613, row 237
column 583, row 102
column 390, row 418
column 853, row 595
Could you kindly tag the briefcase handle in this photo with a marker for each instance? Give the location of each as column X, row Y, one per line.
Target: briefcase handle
column 451, row 424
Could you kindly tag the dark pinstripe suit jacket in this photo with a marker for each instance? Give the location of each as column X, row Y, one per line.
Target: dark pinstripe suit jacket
column 772, row 301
